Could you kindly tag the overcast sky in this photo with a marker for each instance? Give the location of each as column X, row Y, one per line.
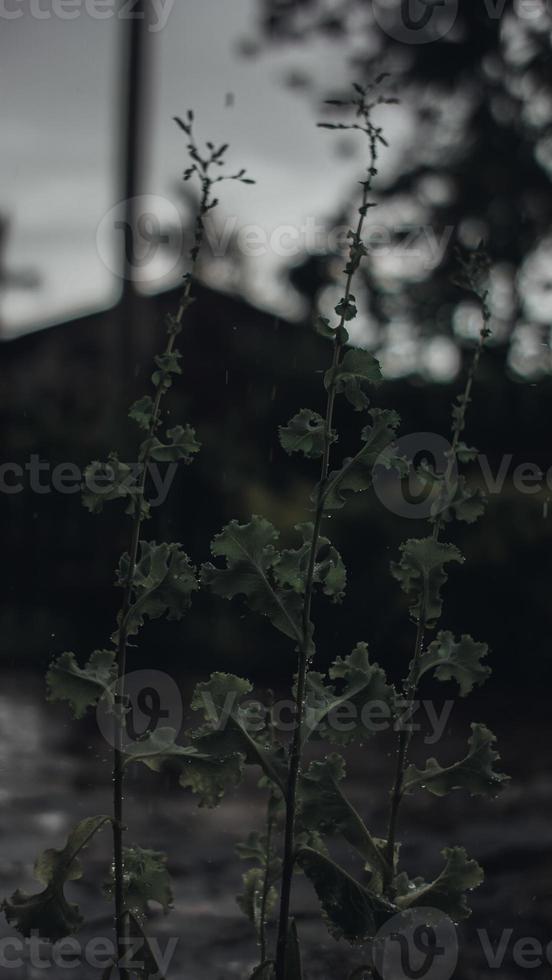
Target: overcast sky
column 59, row 117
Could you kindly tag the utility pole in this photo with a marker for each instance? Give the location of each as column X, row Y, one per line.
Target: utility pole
column 135, row 58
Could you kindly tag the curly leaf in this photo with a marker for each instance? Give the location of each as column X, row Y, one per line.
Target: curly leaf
column 163, row 582
column 209, row 774
column 463, row 503
column 421, row 574
column 357, row 370
column 82, row 687
column 220, row 696
column 474, row 772
column 346, row 308
column 158, row 748
column 48, row 913
column 249, row 550
column 466, row 454
column 167, row 365
column 305, row 433
column 182, row 446
column 114, row 480
column 459, row 661
column 324, row 807
column 361, row 684
column 356, row 473
column 142, row 412
column 468, row 504
column 146, row 879
column 447, row 892
column 232, row 729
column 291, row 567
column 351, row 910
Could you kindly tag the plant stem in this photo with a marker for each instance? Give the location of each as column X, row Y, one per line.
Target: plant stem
column 306, row 650
column 410, row 689
column 138, row 519
column 118, row 753
column 405, row 737
column 266, row 882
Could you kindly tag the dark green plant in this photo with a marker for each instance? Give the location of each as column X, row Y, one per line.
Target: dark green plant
column 307, row 805
column 156, row 580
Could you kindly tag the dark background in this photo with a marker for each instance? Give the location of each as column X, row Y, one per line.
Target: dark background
column 244, row 373
column 481, row 97
column 65, row 389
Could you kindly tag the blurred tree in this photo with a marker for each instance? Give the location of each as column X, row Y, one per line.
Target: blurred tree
column 475, row 80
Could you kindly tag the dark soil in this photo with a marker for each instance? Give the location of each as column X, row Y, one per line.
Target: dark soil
column 53, row 774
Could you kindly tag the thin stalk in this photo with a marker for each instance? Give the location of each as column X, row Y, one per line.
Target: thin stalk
column 202, row 167
column 266, row 882
column 118, row 753
column 122, row 643
column 307, row 649
column 405, row 736
column 271, row 811
column 410, row 688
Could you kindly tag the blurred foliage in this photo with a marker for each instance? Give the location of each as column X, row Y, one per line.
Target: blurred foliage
column 475, row 150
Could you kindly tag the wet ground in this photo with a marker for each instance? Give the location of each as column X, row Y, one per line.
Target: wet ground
column 54, row 772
